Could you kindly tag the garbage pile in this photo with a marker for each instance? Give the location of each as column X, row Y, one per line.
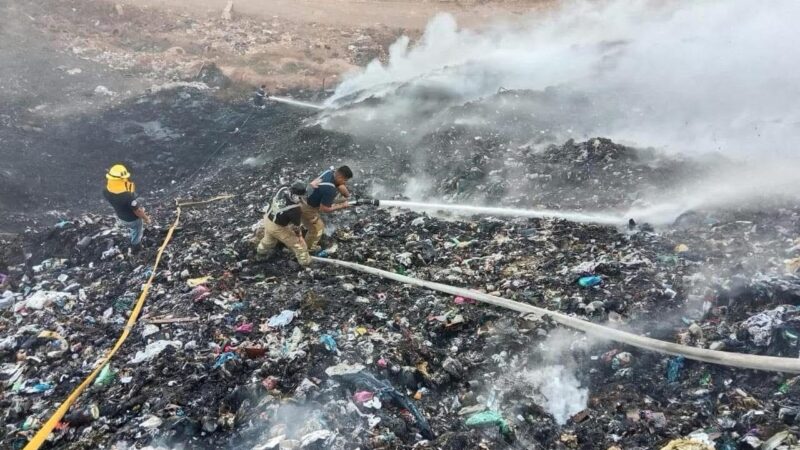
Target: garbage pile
column 496, row 150
column 236, row 352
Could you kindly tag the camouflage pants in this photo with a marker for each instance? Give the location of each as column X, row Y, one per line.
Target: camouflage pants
column 313, row 223
column 274, row 233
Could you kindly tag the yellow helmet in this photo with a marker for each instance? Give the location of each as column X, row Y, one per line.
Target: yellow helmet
column 118, row 172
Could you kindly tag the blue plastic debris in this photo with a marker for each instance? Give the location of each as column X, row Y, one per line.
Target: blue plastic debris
column 590, row 281
column 223, row 358
column 39, row 387
column 674, row 368
column 329, row 342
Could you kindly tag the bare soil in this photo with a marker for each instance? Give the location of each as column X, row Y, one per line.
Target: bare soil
column 73, row 68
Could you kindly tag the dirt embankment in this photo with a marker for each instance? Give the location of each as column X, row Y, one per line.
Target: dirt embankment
column 73, row 69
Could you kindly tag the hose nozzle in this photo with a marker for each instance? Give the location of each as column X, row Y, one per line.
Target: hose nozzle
column 364, row 201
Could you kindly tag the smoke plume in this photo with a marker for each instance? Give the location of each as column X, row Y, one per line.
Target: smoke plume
column 684, row 75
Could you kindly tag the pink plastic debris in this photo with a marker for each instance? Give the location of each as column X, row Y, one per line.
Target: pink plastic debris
column 363, row 396
column 200, row 292
column 244, row 328
column 270, row 383
column 382, row 363
column 462, row 300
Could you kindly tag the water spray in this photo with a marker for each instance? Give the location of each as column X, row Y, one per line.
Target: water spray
column 293, row 102
column 597, row 218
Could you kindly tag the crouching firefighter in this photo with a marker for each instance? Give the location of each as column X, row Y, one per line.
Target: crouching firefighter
column 260, row 97
column 326, row 188
column 282, row 223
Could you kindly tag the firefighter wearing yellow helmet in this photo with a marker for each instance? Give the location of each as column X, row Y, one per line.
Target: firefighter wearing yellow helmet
column 121, row 194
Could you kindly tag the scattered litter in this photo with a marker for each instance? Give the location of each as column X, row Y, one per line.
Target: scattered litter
column 154, row 349
column 281, row 320
column 487, row 419
column 329, row 342
column 194, row 282
column 590, row 281
column 223, row 358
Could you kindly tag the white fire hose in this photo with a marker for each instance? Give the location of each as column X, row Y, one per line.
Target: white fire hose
column 769, row 363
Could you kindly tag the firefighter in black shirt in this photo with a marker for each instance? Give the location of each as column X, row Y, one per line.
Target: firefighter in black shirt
column 121, row 194
column 260, row 97
column 282, row 223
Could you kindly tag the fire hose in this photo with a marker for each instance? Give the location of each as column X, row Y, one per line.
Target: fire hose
column 41, row 435
column 744, row 361
column 757, row 362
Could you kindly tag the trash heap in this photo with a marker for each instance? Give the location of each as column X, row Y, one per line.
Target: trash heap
column 235, row 352
column 495, row 150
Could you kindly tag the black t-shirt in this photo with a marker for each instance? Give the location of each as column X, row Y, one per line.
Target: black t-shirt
column 259, row 97
column 290, row 211
column 124, row 204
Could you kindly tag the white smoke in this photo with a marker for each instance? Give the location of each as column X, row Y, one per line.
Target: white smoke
column 557, row 389
column 685, row 75
column 549, row 381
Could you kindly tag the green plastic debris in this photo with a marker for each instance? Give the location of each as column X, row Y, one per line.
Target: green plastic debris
column 668, row 259
column 784, row 389
column 30, row 422
column 123, row 304
column 706, row 380
column 105, row 377
column 400, row 270
column 488, row 419
column 727, row 445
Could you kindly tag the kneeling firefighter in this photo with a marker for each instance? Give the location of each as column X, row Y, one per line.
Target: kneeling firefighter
column 328, row 193
column 282, row 223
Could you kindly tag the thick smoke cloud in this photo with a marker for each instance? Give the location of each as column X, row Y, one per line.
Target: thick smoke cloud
column 685, row 76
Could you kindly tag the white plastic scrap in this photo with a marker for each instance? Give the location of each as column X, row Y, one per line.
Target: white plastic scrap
column 585, row 267
column 151, row 422
column 6, row 299
column 405, row 258
column 343, row 369
column 314, row 437
column 42, row 299
column 149, row 329
column 271, row 444
column 762, row 325
column 153, row 349
column 281, row 320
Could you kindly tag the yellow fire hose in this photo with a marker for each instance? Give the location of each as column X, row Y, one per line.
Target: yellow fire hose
column 43, row 432
column 769, row 363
